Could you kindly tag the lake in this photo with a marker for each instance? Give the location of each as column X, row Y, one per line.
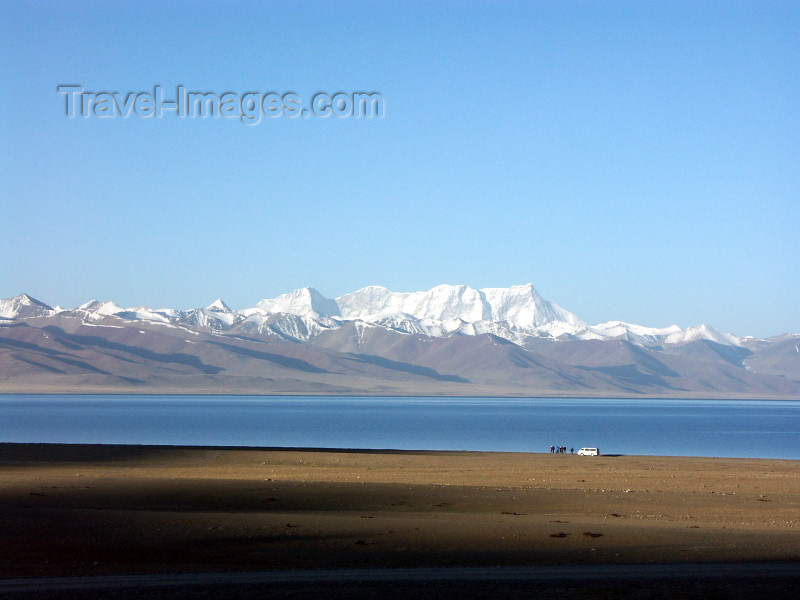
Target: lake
column 725, row 428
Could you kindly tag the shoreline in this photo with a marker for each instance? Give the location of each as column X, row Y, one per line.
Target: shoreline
column 542, row 394
column 102, row 446
column 256, row 421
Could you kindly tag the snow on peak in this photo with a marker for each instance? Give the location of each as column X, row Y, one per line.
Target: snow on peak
column 303, row 302
column 368, row 301
column 521, row 305
column 620, row 328
column 91, row 305
column 218, row 306
column 141, row 313
column 445, row 302
column 107, row 308
column 651, row 336
column 23, row 306
column 28, row 300
column 441, row 303
column 703, row 332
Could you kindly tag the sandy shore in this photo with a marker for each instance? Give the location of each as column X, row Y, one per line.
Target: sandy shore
column 79, row 510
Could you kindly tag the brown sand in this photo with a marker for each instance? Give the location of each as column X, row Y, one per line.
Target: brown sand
column 79, row 510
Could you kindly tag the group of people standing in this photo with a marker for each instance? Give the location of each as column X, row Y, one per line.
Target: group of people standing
column 561, row 450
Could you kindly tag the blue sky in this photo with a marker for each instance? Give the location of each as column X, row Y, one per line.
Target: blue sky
column 633, row 160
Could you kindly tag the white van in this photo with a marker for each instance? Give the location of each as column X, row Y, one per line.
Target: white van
column 588, row 452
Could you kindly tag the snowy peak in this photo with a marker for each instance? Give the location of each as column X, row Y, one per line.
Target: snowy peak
column 23, row 306
column 90, row 306
column 703, row 332
column 519, row 305
column 218, row 306
column 368, row 301
column 653, row 336
column 107, row 308
column 303, row 302
column 440, row 303
column 446, row 302
column 523, row 306
column 622, row 330
column 98, row 309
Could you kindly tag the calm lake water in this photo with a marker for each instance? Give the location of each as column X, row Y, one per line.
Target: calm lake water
column 730, row 428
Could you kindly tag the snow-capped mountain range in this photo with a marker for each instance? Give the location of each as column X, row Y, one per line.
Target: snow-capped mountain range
column 518, row 314
column 450, row 340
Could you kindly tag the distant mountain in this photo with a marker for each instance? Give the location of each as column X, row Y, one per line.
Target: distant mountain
column 23, row 306
column 452, row 340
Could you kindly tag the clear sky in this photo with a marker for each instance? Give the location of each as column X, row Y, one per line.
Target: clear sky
column 637, row 161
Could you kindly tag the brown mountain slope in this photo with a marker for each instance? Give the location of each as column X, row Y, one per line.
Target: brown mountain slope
column 63, row 353
column 780, row 357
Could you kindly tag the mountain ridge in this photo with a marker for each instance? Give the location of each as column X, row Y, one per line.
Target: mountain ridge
column 514, row 313
column 450, row 340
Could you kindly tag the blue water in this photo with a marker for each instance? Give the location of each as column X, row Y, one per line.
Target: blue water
column 729, row 428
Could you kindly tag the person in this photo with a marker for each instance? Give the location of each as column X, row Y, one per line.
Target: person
column 572, row 450
column 552, row 449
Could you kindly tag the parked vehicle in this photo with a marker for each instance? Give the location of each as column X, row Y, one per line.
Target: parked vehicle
column 588, row 452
